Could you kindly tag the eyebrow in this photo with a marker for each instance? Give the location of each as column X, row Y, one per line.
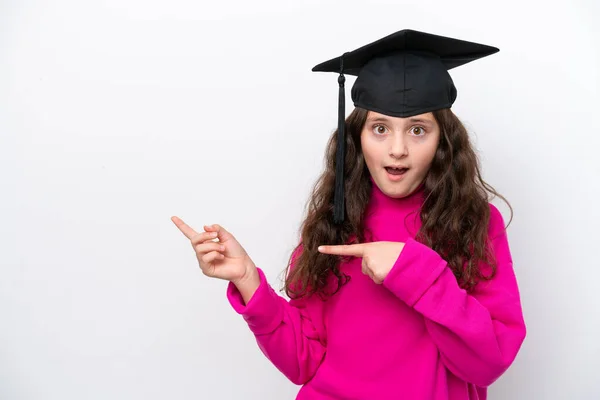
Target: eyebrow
column 413, row 120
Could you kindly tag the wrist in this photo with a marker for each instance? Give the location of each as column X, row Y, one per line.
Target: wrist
column 248, row 284
column 250, row 273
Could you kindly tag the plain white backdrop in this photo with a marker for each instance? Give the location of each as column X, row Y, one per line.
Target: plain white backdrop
column 116, row 115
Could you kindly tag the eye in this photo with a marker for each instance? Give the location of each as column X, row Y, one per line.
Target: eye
column 421, row 130
column 379, row 129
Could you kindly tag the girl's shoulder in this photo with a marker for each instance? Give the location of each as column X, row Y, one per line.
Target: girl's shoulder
column 496, row 225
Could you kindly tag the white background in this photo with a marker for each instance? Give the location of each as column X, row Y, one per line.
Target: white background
column 116, row 115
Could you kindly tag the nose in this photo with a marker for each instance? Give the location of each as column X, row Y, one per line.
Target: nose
column 398, row 147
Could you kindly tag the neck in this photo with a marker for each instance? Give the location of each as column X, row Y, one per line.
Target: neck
column 393, row 219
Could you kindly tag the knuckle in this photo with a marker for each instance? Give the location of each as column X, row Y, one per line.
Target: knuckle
column 199, row 238
column 204, row 247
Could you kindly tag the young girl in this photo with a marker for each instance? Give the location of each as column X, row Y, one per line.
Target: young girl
column 402, row 285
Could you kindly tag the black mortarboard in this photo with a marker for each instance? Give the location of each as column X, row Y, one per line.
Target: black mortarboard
column 401, row 75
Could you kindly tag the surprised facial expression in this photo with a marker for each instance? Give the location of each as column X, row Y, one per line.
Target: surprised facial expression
column 399, row 151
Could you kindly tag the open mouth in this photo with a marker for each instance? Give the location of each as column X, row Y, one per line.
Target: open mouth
column 396, row 171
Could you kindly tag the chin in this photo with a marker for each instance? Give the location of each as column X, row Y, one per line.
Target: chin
column 397, row 189
column 398, row 194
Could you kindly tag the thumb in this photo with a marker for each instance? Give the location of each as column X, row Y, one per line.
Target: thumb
column 222, row 233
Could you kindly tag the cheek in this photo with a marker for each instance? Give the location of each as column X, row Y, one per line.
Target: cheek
column 374, row 156
column 426, row 156
column 368, row 151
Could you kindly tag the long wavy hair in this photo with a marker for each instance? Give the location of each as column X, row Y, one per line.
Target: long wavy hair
column 455, row 213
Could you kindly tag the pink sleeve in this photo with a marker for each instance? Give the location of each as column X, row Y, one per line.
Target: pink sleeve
column 478, row 333
column 290, row 333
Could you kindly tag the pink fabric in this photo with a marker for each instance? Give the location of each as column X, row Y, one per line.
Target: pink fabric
column 416, row 336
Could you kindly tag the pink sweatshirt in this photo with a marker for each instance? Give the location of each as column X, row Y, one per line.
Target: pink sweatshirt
column 417, row 336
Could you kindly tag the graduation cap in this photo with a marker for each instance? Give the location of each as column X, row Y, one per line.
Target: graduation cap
column 401, row 75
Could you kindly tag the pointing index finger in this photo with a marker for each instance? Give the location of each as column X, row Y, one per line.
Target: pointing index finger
column 356, row 250
column 184, row 228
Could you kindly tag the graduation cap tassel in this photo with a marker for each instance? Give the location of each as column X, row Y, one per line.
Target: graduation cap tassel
column 404, row 61
column 338, row 212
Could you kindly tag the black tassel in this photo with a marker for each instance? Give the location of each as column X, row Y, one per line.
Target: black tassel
column 338, row 212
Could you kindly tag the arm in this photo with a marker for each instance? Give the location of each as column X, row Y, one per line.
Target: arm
column 478, row 333
column 289, row 333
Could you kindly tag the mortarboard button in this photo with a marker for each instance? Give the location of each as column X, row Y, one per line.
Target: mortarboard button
column 401, row 75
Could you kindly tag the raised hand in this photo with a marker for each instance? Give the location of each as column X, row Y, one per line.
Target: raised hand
column 378, row 258
column 225, row 259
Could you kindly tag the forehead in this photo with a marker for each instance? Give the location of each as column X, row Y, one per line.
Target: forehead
column 425, row 118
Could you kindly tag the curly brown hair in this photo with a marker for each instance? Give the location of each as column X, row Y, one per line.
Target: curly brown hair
column 455, row 213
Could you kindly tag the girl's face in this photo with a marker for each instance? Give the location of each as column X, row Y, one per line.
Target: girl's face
column 409, row 143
